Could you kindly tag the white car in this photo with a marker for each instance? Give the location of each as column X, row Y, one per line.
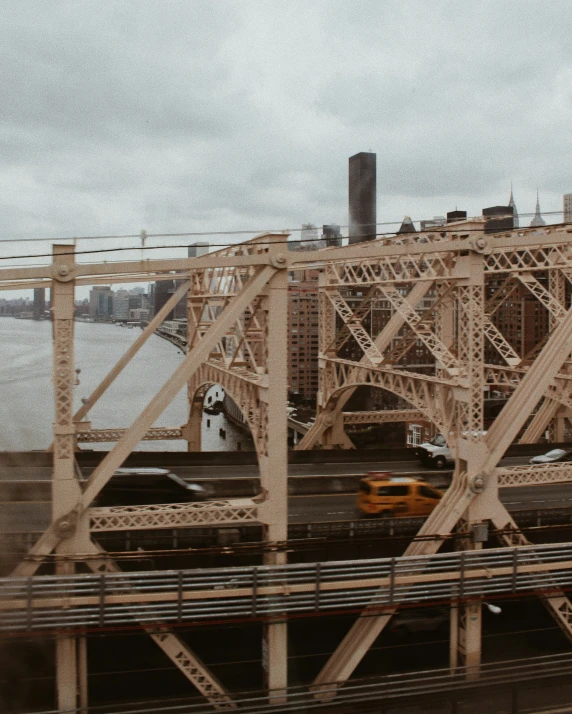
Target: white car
column 552, row 457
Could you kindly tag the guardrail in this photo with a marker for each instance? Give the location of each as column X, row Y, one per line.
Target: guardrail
column 321, row 531
column 112, row 599
column 388, row 692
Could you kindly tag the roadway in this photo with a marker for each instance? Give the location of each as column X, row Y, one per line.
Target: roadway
column 33, row 516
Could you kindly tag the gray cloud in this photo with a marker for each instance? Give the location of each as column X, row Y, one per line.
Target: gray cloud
column 173, row 116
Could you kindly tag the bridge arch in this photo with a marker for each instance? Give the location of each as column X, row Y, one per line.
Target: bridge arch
column 243, row 393
column 403, row 390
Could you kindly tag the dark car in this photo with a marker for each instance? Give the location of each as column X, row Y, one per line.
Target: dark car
column 142, row 486
column 419, row 620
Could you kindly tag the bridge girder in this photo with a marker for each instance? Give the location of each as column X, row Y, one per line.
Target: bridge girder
column 237, row 338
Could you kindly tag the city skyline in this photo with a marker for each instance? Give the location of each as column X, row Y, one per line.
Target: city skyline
column 258, row 136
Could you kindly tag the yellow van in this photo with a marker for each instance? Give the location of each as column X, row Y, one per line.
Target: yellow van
column 383, row 494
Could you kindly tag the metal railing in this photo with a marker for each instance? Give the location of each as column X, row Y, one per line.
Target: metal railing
column 112, row 599
column 388, row 691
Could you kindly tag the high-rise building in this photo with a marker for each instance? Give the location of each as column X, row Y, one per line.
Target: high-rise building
column 121, row 306
column 498, row 218
column 434, row 222
column 197, row 249
column 101, row 299
column 39, row 308
column 162, row 291
column 512, row 204
column 303, row 329
column 309, row 237
column 537, row 221
column 406, row 226
column 567, row 204
column 454, row 216
column 332, row 235
column 362, row 197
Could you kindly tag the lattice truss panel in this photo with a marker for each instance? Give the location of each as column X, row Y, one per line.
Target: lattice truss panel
column 463, row 310
column 173, row 515
column 231, row 342
column 447, row 293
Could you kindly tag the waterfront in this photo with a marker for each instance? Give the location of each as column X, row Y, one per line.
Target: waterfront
column 26, row 405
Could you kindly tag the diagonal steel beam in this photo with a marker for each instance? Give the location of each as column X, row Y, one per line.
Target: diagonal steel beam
column 195, row 357
column 120, row 365
column 498, row 341
column 557, row 603
column 442, row 520
column 382, row 341
column 176, row 650
column 529, row 392
column 540, row 422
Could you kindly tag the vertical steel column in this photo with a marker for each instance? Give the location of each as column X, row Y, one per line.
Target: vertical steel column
column 65, row 487
column 465, row 646
column 273, row 460
column 466, row 617
column 192, row 431
column 557, row 288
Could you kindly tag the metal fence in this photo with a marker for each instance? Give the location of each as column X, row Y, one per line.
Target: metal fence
column 112, row 599
column 386, row 693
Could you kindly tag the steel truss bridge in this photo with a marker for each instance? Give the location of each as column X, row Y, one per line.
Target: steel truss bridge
column 237, row 337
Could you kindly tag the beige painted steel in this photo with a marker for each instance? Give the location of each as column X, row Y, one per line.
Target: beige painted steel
column 535, row 567
column 101, row 475
column 238, row 339
column 149, row 330
column 173, row 646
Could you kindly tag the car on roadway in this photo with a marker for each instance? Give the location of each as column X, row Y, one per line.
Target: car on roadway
column 423, row 619
column 387, row 496
column 552, row 457
column 144, row 486
column 435, row 453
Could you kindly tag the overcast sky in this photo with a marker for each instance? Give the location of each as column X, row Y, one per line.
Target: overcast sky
column 201, row 115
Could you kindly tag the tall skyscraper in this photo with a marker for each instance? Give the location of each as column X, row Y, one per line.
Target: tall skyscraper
column 309, row 237
column 332, row 235
column 567, row 201
column 362, row 197
column 537, row 220
column 512, row 204
column 39, row 303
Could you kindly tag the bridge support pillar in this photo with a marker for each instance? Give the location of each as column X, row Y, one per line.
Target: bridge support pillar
column 66, row 490
column 335, row 436
column 192, row 431
column 465, row 649
column 272, row 448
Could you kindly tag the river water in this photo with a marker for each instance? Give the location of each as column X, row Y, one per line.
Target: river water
column 26, row 390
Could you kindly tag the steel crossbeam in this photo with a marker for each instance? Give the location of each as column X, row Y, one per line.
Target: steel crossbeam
column 386, row 416
column 237, row 322
column 173, row 515
column 497, row 339
column 534, row 474
column 424, row 334
column 105, row 435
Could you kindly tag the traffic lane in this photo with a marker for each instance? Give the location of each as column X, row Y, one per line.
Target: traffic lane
column 341, row 507
column 26, row 473
column 35, row 516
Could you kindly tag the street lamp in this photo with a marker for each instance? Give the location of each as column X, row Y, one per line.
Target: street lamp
column 495, row 609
